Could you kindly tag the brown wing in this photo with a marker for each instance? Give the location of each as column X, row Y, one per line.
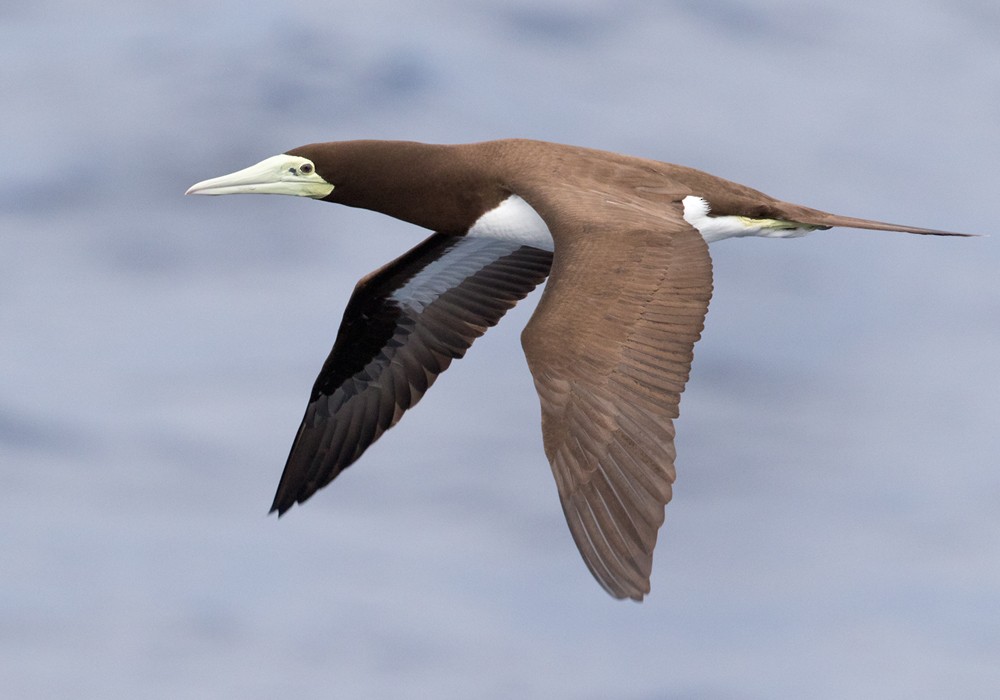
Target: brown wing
column 403, row 326
column 610, row 349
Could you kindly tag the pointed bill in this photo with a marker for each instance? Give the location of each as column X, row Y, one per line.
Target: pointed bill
column 281, row 174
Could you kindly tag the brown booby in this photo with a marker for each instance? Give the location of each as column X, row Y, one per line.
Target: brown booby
column 624, row 243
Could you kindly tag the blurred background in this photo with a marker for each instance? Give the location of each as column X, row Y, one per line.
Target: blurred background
column 835, row 529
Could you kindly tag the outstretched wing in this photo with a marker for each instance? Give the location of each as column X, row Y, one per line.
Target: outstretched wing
column 610, row 348
column 403, row 326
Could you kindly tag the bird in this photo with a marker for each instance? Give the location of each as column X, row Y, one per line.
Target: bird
column 623, row 243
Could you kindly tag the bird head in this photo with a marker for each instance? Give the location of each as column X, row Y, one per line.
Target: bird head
column 288, row 173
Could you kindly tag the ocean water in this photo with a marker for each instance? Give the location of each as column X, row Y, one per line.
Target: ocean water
column 835, row 528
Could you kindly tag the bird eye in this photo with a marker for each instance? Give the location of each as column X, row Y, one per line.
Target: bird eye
column 306, row 168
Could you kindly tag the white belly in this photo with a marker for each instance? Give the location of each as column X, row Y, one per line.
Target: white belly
column 717, row 228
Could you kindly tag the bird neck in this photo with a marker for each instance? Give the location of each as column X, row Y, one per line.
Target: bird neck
column 439, row 187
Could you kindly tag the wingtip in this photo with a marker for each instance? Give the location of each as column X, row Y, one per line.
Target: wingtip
column 634, row 594
column 279, row 508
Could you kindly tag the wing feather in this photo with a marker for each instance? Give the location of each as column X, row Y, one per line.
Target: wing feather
column 610, row 349
column 403, row 326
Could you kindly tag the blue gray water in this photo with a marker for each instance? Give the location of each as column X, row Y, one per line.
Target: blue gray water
column 835, row 530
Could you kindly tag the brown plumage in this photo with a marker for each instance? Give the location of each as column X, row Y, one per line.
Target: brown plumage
column 609, row 346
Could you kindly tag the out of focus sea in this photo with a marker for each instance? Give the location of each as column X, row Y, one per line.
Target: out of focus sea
column 835, row 528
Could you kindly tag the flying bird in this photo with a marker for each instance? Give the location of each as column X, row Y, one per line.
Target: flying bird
column 624, row 244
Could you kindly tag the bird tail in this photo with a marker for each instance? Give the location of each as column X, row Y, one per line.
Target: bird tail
column 814, row 217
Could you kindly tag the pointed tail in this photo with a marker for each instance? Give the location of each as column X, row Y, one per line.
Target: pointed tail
column 815, row 217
